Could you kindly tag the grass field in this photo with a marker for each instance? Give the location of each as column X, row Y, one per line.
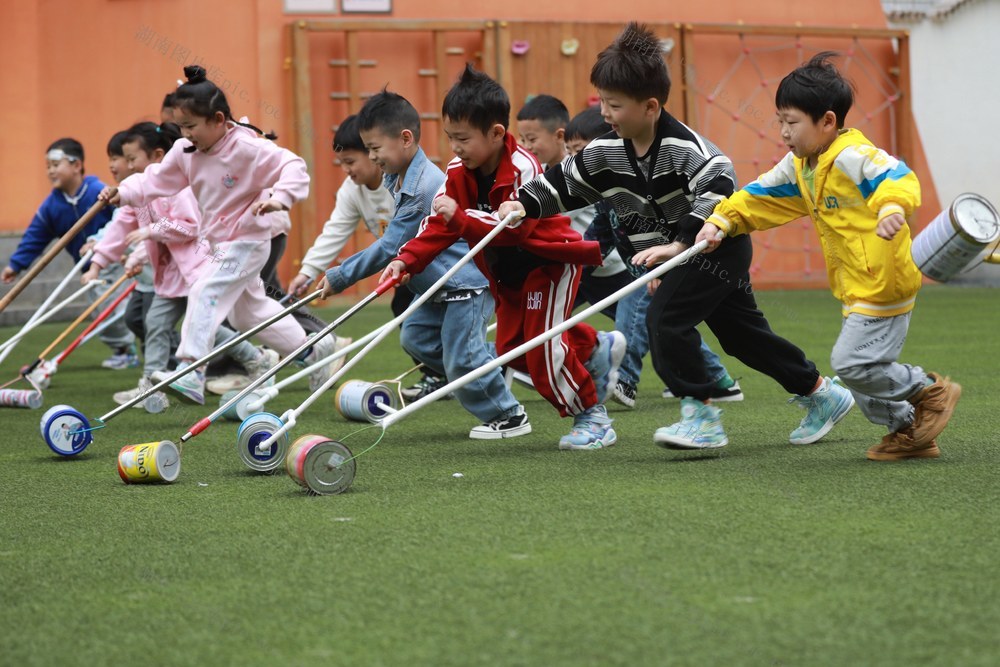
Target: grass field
column 763, row 554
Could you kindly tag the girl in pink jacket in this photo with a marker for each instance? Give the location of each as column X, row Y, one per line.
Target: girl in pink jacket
column 228, row 168
column 165, row 233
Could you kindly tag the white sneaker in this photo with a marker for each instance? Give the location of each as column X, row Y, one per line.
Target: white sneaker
column 267, row 360
column 123, row 397
column 323, row 348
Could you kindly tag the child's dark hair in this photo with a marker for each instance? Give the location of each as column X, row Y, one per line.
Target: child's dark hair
column 390, row 113
column 547, row 110
column 115, row 144
column 151, row 136
column 633, row 65
column 168, row 101
column 204, row 99
column 815, row 88
column 587, row 125
column 348, row 137
column 478, row 100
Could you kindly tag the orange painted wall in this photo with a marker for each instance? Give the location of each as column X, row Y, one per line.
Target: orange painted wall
column 87, row 68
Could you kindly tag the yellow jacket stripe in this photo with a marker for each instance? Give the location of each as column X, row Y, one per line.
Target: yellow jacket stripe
column 856, row 185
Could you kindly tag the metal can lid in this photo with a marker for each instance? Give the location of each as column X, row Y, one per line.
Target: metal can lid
column 329, row 468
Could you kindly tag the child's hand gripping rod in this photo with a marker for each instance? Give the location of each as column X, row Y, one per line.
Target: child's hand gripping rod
column 42, row 262
column 84, row 315
column 290, row 417
column 235, row 340
column 638, row 283
column 41, row 312
column 289, row 358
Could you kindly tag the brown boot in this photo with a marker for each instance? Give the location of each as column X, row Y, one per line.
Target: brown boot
column 902, row 445
column 934, row 405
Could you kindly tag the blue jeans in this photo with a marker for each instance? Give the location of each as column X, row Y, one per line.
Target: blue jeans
column 630, row 319
column 450, row 339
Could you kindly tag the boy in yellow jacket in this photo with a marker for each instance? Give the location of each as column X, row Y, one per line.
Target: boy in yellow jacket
column 858, row 197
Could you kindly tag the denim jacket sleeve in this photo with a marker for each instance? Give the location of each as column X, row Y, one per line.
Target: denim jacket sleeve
column 374, row 258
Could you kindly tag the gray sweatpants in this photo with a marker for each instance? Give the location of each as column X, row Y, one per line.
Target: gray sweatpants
column 116, row 335
column 864, row 357
column 162, row 318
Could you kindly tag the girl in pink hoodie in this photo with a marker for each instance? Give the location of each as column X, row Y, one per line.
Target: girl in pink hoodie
column 165, row 234
column 237, row 178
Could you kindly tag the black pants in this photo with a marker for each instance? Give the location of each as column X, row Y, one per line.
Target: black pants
column 715, row 289
column 593, row 289
column 402, row 297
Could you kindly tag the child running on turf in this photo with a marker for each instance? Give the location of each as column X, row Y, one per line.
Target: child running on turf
column 858, row 197
column 601, row 223
column 663, row 181
column 533, row 266
column 448, row 332
column 166, row 233
column 229, row 168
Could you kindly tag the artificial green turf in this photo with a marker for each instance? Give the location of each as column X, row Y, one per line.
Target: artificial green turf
column 762, row 554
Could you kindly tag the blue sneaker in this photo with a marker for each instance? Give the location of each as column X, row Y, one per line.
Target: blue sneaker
column 192, row 385
column 699, row 428
column 604, row 362
column 122, row 358
column 591, row 430
column 824, row 408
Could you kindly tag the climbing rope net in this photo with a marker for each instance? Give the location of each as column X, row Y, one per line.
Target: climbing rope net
column 736, row 111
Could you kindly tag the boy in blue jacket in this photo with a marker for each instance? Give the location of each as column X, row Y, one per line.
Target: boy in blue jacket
column 73, row 193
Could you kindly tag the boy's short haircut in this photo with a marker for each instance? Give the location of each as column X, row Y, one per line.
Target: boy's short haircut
column 478, row 100
column 547, row 110
column 67, row 148
column 633, row 65
column 116, row 142
column 348, row 136
column 389, row 113
column 815, row 88
column 587, row 125
column 168, row 101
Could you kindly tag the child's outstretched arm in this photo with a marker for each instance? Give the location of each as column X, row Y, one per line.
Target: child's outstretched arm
column 772, row 200
column 284, row 172
column 376, row 257
column 564, row 187
column 36, row 237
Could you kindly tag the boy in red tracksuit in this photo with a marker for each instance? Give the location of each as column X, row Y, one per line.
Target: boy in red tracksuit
column 533, row 266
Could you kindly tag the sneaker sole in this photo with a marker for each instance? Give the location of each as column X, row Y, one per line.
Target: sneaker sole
column 524, row 429
column 827, row 427
column 926, row 453
column 230, row 382
column 668, row 442
column 734, row 398
column 184, row 393
column 609, row 440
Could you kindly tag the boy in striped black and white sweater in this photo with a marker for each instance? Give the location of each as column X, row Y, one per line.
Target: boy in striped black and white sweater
column 663, row 181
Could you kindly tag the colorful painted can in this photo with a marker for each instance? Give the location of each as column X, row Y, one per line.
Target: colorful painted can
column 241, row 409
column 21, row 398
column 149, row 462
column 322, row 466
column 254, row 430
column 360, row 401
column 956, row 237
column 65, row 430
